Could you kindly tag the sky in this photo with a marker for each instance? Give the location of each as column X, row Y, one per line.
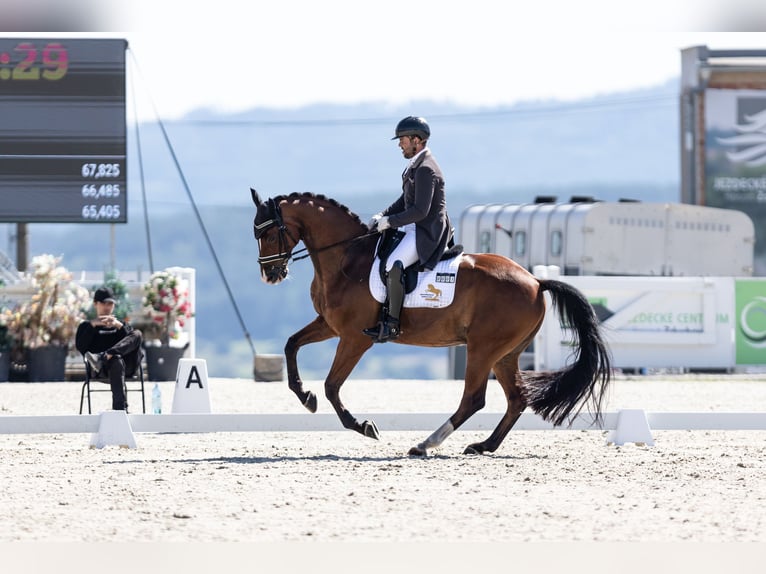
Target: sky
column 230, row 55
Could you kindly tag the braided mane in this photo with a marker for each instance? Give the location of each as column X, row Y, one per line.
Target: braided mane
column 320, row 197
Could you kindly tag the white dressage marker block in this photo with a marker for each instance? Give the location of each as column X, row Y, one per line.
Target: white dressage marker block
column 191, row 394
column 632, row 426
column 113, row 429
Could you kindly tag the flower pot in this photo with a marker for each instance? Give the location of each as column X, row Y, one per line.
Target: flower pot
column 5, row 365
column 162, row 362
column 47, row 363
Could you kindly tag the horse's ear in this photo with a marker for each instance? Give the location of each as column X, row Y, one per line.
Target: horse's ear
column 256, row 200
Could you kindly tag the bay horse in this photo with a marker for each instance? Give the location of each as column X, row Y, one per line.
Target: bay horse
column 498, row 308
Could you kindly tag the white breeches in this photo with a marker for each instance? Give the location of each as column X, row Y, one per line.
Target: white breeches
column 406, row 251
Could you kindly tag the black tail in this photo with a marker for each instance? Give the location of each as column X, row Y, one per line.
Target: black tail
column 558, row 395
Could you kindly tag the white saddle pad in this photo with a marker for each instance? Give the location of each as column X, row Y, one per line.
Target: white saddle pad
column 435, row 288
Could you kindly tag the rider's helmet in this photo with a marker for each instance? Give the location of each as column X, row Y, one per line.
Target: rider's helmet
column 412, row 126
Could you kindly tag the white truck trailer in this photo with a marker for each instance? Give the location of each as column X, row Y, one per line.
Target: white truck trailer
column 614, row 238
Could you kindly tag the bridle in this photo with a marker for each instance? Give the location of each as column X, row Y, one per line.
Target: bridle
column 284, row 256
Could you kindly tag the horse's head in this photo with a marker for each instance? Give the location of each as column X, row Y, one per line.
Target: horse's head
column 275, row 240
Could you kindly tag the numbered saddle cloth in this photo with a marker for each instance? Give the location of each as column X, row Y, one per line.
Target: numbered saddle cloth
column 435, row 288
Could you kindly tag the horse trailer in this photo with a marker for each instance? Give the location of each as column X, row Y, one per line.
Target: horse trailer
column 614, row 238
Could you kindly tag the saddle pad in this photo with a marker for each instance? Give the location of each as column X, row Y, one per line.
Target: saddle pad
column 435, row 288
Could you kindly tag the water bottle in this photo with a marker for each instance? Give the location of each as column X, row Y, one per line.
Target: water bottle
column 156, row 399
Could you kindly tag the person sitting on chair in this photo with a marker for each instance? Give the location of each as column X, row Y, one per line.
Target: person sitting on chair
column 421, row 213
column 111, row 347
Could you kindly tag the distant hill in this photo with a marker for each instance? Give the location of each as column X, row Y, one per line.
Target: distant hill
column 610, row 147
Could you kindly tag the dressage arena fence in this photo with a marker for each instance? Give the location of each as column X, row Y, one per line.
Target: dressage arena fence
column 117, row 428
column 191, row 413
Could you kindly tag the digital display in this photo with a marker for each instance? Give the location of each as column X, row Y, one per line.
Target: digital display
column 62, row 131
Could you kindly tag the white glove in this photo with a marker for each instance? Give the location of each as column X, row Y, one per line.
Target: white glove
column 374, row 221
column 383, row 223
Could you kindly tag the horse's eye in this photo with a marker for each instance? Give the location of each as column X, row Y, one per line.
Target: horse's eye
column 271, row 239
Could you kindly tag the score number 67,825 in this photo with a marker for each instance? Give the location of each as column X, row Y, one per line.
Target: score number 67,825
column 100, row 170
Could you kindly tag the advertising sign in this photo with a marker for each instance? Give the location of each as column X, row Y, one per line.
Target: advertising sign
column 735, row 158
column 750, row 334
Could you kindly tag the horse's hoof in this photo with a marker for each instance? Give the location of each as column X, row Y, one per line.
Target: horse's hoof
column 472, row 449
column 370, row 429
column 417, row 451
column 311, row 402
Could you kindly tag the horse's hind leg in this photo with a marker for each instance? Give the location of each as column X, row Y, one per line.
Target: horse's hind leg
column 506, row 371
column 314, row 332
column 473, row 400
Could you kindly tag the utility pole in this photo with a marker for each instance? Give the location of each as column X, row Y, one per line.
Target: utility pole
column 22, row 247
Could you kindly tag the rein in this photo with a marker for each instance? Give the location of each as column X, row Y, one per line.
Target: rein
column 292, row 256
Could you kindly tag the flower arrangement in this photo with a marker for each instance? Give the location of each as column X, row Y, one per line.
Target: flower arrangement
column 166, row 306
column 53, row 313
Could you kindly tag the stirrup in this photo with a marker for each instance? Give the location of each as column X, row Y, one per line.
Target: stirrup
column 383, row 332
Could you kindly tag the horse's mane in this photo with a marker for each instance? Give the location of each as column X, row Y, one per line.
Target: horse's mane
column 319, row 197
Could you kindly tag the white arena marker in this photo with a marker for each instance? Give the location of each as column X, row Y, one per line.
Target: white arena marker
column 113, row 429
column 632, row 426
column 191, row 394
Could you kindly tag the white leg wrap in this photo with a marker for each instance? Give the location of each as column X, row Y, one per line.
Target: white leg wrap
column 438, row 436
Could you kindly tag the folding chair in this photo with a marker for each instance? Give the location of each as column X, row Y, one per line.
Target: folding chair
column 137, row 378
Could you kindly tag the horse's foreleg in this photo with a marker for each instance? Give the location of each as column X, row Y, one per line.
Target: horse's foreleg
column 347, row 356
column 474, row 398
column 506, row 371
column 314, row 332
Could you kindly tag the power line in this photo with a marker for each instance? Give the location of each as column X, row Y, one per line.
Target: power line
column 522, row 111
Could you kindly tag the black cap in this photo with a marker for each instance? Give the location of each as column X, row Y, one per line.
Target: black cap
column 104, row 295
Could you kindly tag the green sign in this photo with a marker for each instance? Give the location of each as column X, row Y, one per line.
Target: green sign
column 750, row 337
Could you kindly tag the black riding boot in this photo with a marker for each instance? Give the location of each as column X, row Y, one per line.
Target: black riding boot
column 387, row 328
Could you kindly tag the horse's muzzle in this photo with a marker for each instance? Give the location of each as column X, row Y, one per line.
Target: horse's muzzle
column 274, row 274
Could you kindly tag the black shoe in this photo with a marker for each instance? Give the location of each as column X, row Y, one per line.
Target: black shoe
column 95, row 360
column 384, row 331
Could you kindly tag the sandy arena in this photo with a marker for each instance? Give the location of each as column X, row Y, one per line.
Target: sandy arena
column 540, row 486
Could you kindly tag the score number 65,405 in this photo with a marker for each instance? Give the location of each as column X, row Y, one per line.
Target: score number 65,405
column 100, row 212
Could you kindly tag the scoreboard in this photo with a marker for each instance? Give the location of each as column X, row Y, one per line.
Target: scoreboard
column 62, row 130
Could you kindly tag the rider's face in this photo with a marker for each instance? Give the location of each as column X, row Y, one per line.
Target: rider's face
column 410, row 145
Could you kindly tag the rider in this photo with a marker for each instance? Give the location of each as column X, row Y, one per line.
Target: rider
column 420, row 212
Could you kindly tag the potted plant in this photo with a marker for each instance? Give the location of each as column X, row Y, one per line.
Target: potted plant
column 44, row 326
column 165, row 309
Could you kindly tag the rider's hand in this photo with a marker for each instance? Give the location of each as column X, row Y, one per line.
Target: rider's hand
column 374, row 221
column 383, row 223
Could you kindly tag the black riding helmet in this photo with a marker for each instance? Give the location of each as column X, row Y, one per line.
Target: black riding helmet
column 412, row 126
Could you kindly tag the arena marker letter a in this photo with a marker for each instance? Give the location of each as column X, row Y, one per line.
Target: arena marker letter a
column 191, row 393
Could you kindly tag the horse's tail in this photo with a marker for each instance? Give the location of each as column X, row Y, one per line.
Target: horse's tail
column 558, row 395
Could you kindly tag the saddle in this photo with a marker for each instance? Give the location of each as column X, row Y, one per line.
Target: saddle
column 389, row 240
